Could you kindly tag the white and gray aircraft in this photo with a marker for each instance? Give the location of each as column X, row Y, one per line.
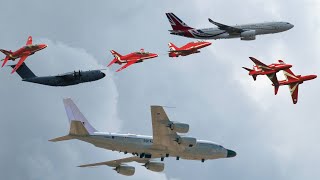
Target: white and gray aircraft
column 244, row 32
column 166, row 141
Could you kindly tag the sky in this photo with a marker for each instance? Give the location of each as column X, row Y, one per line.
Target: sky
column 273, row 138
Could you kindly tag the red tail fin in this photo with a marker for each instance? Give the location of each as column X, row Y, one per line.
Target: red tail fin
column 172, row 47
column 8, row 54
column 176, row 23
column 117, row 58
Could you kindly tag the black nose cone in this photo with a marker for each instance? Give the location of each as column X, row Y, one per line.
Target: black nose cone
column 231, row 153
column 103, row 75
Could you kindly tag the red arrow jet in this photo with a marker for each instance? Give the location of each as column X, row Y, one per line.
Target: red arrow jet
column 22, row 53
column 190, row 48
column 132, row 58
column 293, row 81
column 269, row 70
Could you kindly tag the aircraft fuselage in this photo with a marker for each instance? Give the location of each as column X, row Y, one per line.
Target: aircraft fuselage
column 68, row 79
column 216, row 33
column 138, row 144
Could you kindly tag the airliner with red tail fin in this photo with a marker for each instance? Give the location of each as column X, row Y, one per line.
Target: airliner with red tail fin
column 129, row 59
column 189, row 48
column 244, row 32
column 22, row 53
column 293, row 81
column 270, row 70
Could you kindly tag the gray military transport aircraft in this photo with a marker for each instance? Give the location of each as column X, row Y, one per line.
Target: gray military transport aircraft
column 67, row 79
column 165, row 142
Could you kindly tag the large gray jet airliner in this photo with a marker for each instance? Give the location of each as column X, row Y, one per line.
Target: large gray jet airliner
column 166, row 141
column 67, row 79
column 244, row 32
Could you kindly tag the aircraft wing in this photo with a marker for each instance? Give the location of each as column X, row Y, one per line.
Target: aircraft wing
column 228, row 29
column 129, row 63
column 163, row 136
column 273, row 78
column 117, row 162
column 259, row 64
column 22, row 59
column 294, row 92
column 29, row 41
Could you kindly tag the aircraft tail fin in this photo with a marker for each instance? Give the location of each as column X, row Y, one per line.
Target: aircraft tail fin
column 75, row 116
column 172, row 47
column 79, row 125
column 8, row 54
column 24, row 71
column 176, row 23
column 117, row 58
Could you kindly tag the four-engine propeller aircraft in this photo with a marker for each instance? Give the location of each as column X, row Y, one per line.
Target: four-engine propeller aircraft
column 66, row 79
column 293, row 81
column 245, row 32
column 189, row 48
column 166, row 141
column 132, row 58
column 270, row 70
column 22, row 53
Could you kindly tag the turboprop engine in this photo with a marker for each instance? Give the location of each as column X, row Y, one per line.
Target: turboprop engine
column 179, row 127
column 125, row 170
column 186, row 141
column 248, row 35
column 155, row 166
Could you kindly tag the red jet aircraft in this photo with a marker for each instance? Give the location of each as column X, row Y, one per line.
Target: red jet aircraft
column 22, row 53
column 190, row 48
column 132, row 58
column 269, row 70
column 293, row 81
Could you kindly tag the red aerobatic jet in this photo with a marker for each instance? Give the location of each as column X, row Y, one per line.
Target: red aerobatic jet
column 293, row 81
column 132, row 58
column 22, row 53
column 269, row 70
column 190, row 48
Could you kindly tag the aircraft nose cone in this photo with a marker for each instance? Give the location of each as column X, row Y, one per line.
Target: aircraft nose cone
column 42, row 46
column 231, row 153
column 103, row 74
column 290, row 26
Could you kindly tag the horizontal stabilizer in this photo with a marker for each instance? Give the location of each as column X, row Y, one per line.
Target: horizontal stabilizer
column 62, row 138
column 247, row 69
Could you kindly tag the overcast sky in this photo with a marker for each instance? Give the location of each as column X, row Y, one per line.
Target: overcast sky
column 273, row 138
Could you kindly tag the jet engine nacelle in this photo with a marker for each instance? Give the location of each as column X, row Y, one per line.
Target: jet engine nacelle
column 125, row 170
column 179, row 127
column 187, row 141
column 155, row 166
column 248, row 35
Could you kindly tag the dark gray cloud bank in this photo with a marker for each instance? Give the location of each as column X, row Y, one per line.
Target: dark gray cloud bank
column 274, row 139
